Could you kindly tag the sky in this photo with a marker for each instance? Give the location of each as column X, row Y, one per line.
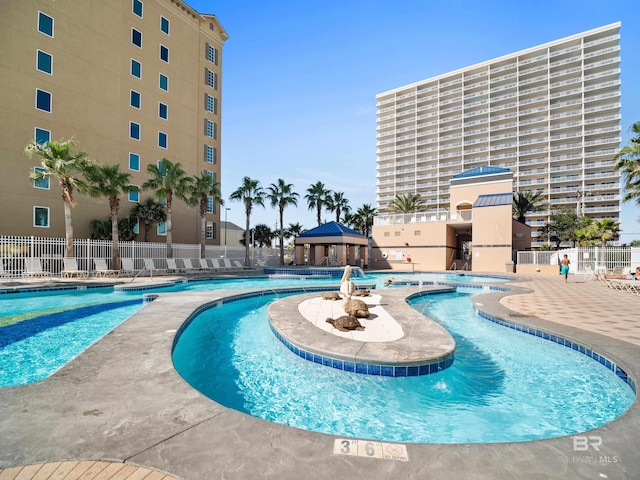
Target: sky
column 300, row 78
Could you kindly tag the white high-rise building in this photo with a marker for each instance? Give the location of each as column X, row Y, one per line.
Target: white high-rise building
column 550, row 113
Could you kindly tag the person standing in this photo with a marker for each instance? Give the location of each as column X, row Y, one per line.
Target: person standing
column 564, row 267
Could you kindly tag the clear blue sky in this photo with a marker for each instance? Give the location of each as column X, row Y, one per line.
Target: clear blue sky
column 300, row 79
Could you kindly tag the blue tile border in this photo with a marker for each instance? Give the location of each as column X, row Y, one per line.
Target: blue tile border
column 19, row 290
column 364, row 368
column 578, row 347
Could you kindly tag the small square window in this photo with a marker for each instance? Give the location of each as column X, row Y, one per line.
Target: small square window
column 134, row 162
column 211, row 79
column 164, row 53
column 137, row 8
column 136, row 68
column 210, row 129
column 41, row 136
column 397, row 234
column 44, row 62
column 386, row 234
column 42, row 183
column 134, row 130
column 164, row 82
column 43, row 100
column 134, row 100
column 163, row 110
column 41, row 217
column 210, row 154
column 212, row 54
column 45, row 24
column 161, row 228
column 164, row 25
column 417, row 233
column 210, row 103
column 134, row 193
column 162, row 140
column 210, row 231
column 136, row 37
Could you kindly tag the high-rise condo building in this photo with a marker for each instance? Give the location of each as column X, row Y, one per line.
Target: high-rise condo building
column 131, row 81
column 550, row 114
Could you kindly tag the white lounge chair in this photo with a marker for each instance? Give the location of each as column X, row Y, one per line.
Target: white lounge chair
column 150, row 266
column 102, row 270
column 172, row 266
column 71, row 269
column 127, row 267
column 33, row 268
column 216, row 265
column 189, row 266
column 204, row 265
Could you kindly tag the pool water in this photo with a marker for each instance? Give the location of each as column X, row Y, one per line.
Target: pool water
column 504, row 386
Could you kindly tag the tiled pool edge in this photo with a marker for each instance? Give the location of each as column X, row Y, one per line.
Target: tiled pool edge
column 565, row 342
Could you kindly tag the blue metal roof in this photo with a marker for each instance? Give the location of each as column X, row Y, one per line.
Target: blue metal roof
column 494, row 200
column 484, row 170
column 331, row 229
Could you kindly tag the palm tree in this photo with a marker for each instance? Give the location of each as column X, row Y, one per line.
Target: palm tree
column 262, row 235
column 294, row 230
column 168, row 179
column 364, row 218
column 282, row 195
column 100, row 229
column 336, row 202
column 108, row 181
column 249, row 193
column 628, row 160
column 203, row 187
column 606, row 229
column 149, row 211
column 407, row 203
column 58, row 161
column 525, row 202
column 317, row 197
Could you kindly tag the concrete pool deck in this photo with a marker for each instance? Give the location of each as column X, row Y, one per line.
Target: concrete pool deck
column 122, row 401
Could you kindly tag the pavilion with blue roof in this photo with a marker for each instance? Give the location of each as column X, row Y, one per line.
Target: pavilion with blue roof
column 331, row 244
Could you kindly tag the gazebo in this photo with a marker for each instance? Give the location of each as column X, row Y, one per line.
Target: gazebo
column 332, row 244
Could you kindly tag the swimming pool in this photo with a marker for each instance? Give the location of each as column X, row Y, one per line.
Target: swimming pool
column 503, row 386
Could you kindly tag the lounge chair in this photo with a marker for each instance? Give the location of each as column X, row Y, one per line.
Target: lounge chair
column 204, row 265
column 71, row 269
column 172, row 266
column 189, row 266
column 33, row 268
column 216, row 265
column 228, row 265
column 127, row 267
column 239, row 265
column 150, row 266
column 102, row 270
column 3, row 273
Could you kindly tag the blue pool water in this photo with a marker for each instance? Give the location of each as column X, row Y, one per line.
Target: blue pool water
column 504, row 385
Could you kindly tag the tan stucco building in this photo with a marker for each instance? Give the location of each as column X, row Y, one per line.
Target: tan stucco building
column 477, row 232
column 131, row 81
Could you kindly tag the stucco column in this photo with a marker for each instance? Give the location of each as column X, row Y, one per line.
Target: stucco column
column 341, row 254
column 318, row 253
column 299, row 254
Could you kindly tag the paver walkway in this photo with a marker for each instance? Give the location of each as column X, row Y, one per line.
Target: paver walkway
column 82, row 470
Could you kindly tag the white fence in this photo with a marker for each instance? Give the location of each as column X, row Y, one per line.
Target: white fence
column 609, row 259
column 14, row 250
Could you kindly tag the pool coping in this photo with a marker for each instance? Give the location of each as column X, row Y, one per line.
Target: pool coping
column 123, row 400
column 425, row 348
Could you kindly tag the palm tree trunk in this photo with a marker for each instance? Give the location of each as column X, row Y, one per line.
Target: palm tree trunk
column 281, row 236
column 319, row 213
column 68, row 228
column 203, row 227
column 169, row 239
column 115, row 245
column 247, row 261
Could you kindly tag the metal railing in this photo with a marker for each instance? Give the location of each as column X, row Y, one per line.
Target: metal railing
column 608, row 260
column 423, row 217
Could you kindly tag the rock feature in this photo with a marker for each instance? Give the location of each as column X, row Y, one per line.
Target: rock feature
column 345, row 323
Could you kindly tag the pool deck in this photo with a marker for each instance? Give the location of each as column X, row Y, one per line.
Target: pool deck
column 121, row 406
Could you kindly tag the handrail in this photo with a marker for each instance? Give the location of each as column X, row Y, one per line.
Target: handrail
column 139, row 272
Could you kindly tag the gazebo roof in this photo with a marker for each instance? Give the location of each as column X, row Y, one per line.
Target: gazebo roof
column 331, row 229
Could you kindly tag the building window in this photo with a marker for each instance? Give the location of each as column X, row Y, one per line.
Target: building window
column 210, row 154
column 134, row 193
column 164, row 25
column 212, row 54
column 210, row 207
column 164, row 82
column 163, row 110
column 136, row 37
column 161, row 229
column 134, row 162
column 43, row 182
column 134, row 130
column 136, row 68
column 43, row 100
column 210, row 128
column 211, row 79
column 137, row 8
column 164, row 53
column 45, row 24
column 210, row 231
column 211, row 175
column 162, row 140
column 44, row 62
column 41, row 217
column 210, row 103
column 41, row 136
column 134, row 100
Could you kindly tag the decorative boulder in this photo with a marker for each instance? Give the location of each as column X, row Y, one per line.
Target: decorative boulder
column 357, row 308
